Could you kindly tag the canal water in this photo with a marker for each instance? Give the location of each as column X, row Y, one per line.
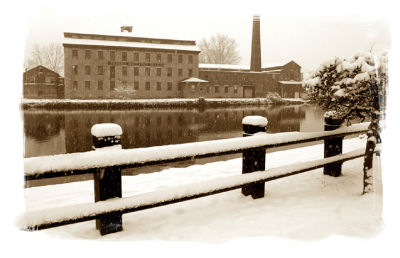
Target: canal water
column 57, row 132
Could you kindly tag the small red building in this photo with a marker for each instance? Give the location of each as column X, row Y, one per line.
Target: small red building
column 42, row 83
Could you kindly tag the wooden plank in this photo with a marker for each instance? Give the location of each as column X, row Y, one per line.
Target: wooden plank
column 36, row 220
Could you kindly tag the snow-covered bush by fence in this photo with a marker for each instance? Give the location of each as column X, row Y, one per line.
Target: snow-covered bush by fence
column 353, row 87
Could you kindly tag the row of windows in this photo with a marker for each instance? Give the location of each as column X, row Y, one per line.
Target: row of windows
column 216, row 89
column 124, row 84
column 137, row 57
column 124, row 71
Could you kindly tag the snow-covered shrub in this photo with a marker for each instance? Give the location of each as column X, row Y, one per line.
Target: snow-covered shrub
column 274, row 97
column 353, row 87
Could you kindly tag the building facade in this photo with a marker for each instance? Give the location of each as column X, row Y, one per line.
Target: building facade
column 123, row 66
column 238, row 81
column 42, row 83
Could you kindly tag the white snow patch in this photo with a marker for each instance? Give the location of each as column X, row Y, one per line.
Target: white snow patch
column 255, row 120
column 106, row 129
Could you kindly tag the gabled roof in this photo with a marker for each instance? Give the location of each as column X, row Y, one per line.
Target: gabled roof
column 44, row 69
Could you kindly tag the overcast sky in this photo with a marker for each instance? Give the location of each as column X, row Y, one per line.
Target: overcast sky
column 308, row 35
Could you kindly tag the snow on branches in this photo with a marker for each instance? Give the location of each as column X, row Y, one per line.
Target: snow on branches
column 353, row 87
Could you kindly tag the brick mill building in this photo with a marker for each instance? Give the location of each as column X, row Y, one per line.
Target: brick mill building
column 241, row 81
column 130, row 67
column 124, row 66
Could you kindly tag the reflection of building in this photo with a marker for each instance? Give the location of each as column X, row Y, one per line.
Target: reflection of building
column 103, row 66
column 41, row 82
column 237, row 81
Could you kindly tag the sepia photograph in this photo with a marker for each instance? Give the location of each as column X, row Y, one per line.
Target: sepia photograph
column 201, row 128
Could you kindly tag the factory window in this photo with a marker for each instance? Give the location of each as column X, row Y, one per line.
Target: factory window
column 100, row 55
column 193, row 87
column 75, row 69
column 169, row 72
column 159, row 58
column 190, row 59
column 190, row 72
column 147, row 57
column 147, row 71
column 169, row 57
column 87, row 54
column 216, row 89
column 136, row 57
column 147, row 85
column 87, row 69
column 112, row 55
column 180, row 72
column 136, row 85
column 136, row 71
column 75, row 85
column 169, row 85
column 226, row 89
column 99, row 85
column 180, row 59
column 112, row 85
column 158, row 86
column 87, row 85
column 100, row 70
column 75, row 53
column 124, row 71
column 158, row 71
column 112, row 72
column 235, row 89
column 124, row 56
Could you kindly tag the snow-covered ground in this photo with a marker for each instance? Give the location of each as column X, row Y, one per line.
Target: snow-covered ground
column 305, row 207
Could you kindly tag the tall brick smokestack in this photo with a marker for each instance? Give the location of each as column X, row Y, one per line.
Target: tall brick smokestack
column 255, row 64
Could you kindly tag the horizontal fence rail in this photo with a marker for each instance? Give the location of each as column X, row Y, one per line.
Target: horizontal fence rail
column 89, row 162
column 50, row 218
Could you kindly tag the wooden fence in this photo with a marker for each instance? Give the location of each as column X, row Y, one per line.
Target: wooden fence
column 106, row 165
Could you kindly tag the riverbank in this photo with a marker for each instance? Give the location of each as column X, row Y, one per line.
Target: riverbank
column 118, row 104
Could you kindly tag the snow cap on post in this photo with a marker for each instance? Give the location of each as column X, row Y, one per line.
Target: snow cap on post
column 106, row 129
column 255, row 121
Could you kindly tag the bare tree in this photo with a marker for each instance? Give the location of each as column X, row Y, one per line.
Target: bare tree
column 50, row 56
column 219, row 49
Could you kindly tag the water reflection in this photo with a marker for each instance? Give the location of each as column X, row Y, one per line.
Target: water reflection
column 69, row 131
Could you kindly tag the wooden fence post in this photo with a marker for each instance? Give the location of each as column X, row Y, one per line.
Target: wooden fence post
column 253, row 159
column 333, row 147
column 107, row 181
column 372, row 135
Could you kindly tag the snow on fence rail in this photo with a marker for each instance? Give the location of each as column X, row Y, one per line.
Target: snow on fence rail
column 89, row 162
column 106, row 166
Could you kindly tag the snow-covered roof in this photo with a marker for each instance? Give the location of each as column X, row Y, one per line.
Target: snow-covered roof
column 291, row 82
column 94, row 42
column 242, row 67
column 225, row 66
column 194, row 79
column 273, row 71
column 117, row 33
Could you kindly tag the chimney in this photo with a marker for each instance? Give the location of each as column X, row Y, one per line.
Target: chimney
column 255, row 63
column 126, row 28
